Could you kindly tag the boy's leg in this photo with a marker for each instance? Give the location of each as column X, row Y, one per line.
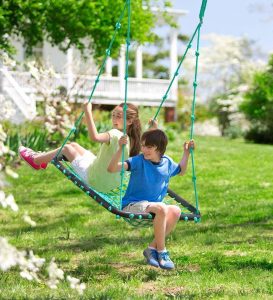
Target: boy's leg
column 165, row 220
column 160, row 211
column 173, row 216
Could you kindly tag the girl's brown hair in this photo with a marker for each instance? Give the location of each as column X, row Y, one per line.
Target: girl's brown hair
column 134, row 129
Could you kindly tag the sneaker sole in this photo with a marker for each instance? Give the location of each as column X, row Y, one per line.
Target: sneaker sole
column 156, row 266
column 164, row 268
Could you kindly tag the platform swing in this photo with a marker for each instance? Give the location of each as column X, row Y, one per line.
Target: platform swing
column 112, row 200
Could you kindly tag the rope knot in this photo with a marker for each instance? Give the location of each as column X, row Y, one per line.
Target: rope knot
column 118, row 25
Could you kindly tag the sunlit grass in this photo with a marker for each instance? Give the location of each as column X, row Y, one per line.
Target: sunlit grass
column 228, row 255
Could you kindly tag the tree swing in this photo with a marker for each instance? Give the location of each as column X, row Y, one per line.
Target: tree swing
column 112, row 200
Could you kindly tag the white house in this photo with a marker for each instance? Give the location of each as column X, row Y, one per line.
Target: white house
column 110, row 89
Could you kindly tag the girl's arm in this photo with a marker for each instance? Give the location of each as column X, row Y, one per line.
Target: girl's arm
column 153, row 124
column 92, row 130
column 184, row 161
column 115, row 165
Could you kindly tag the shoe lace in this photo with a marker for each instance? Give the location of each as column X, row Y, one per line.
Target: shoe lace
column 31, row 153
column 153, row 253
column 165, row 256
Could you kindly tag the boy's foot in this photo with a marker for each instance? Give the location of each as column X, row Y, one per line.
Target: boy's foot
column 151, row 257
column 27, row 155
column 165, row 261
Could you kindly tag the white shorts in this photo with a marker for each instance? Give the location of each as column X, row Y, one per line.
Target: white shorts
column 81, row 163
column 137, row 207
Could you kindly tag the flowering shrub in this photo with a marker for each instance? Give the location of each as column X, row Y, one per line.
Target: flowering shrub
column 258, row 105
column 231, row 121
column 30, row 266
column 55, row 108
column 6, row 155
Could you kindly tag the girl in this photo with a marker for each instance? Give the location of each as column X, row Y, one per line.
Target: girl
column 91, row 168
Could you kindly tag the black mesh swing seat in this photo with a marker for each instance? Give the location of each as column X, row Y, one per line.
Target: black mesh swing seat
column 112, row 200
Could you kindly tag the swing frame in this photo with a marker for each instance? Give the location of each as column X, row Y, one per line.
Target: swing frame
column 57, row 161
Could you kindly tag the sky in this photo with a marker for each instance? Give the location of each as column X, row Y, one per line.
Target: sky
column 249, row 18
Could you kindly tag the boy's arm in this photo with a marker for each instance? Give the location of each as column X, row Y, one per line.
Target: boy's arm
column 184, row 160
column 115, row 165
column 92, row 130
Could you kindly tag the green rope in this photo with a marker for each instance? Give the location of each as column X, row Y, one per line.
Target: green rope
column 125, row 96
column 193, row 118
column 197, row 30
column 176, row 73
column 201, row 15
column 107, row 53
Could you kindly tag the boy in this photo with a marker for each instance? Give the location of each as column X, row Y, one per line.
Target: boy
column 150, row 175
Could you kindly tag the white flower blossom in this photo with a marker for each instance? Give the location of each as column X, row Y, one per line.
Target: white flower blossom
column 75, row 284
column 51, row 128
column 50, row 111
column 7, row 109
column 28, row 220
column 55, row 274
column 31, row 266
column 8, row 255
column 11, row 173
column 8, row 201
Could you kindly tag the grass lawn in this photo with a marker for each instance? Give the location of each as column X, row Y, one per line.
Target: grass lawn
column 229, row 255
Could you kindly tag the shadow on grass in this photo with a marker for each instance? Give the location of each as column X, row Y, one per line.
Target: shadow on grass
column 204, row 227
column 222, row 264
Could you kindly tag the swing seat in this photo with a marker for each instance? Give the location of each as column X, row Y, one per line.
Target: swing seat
column 111, row 201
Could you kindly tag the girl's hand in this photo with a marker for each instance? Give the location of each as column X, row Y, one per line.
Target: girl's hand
column 123, row 141
column 153, row 124
column 87, row 106
column 188, row 146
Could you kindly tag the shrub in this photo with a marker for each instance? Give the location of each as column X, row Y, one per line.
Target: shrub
column 258, row 106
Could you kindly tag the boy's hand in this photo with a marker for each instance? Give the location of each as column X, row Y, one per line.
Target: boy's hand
column 188, row 146
column 123, row 141
column 153, row 124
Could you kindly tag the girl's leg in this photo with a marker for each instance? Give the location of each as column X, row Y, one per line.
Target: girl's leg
column 70, row 151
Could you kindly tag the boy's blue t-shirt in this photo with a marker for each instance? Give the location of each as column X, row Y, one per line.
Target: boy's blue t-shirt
column 149, row 181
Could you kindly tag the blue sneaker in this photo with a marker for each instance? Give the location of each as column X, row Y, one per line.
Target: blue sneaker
column 165, row 261
column 151, row 257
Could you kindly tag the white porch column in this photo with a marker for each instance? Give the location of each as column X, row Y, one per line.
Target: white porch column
column 121, row 71
column 139, row 62
column 69, row 69
column 173, row 62
column 108, row 67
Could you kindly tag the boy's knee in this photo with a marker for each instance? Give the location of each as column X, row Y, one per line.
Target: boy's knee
column 162, row 209
column 176, row 211
column 158, row 209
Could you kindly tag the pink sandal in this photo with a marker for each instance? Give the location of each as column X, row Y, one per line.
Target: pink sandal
column 27, row 155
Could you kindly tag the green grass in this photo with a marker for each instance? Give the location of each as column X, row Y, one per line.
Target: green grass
column 229, row 255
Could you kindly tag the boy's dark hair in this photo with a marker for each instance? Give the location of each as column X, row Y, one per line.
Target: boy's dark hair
column 155, row 138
